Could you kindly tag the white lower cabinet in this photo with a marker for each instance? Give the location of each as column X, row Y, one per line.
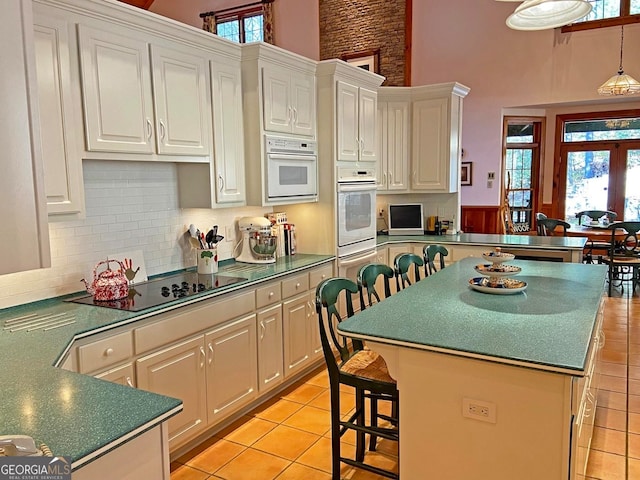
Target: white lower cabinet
column 269, row 347
column 297, row 335
column 231, row 367
column 124, row 375
column 179, row 371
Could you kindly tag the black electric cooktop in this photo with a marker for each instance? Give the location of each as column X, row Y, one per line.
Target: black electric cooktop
column 162, row 290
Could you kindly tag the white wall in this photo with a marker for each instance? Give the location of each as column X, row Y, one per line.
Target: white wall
column 468, row 42
column 130, row 206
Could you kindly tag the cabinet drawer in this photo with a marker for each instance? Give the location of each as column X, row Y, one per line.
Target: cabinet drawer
column 295, row 285
column 104, row 353
column 197, row 319
column 268, row 294
column 319, row 274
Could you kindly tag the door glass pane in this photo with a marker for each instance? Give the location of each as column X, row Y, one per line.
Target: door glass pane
column 358, row 211
column 632, row 192
column 599, row 130
column 587, row 183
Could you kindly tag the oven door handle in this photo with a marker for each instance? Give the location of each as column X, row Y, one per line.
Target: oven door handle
column 356, row 187
column 296, row 157
column 358, row 259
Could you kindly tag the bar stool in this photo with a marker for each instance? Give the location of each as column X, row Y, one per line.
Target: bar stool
column 362, row 369
column 402, row 264
column 367, row 277
column 430, row 253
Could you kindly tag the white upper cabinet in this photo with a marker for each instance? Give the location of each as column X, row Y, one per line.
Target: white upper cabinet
column 356, row 123
column 116, row 87
column 394, row 123
column 25, row 234
column 119, row 101
column 289, row 101
column 59, row 124
column 181, row 103
column 437, row 128
column 228, row 138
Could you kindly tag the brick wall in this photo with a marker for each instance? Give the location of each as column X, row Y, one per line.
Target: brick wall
column 348, row 26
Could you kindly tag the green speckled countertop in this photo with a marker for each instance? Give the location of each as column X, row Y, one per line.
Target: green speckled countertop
column 77, row 415
column 531, row 241
column 548, row 326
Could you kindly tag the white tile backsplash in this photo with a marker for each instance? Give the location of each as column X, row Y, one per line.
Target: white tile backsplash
column 130, row 206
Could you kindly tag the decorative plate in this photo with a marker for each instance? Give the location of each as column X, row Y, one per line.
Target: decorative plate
column 505, row 286
column 498, row 256
column 497, row 269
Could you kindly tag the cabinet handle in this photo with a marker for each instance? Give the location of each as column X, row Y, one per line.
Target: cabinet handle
column 297, row 285
column 210, row 353
column 295, row 115
column 149, row 129
column 129, row 382
column 162, row 130
column 290, row 114
column 202, row 356
column 220, row 182
column 311, row 309
column 271, row 294
column 384, row 178
column 262, row 329
column 108, row 352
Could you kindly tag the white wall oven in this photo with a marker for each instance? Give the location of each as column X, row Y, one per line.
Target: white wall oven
column 356, row 211
column 292, row 169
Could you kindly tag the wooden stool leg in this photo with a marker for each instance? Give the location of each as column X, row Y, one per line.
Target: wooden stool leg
column 335, row 432
column 374, row 422
column 360, row 420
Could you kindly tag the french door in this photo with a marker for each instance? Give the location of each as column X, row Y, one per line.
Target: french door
column 600, row 176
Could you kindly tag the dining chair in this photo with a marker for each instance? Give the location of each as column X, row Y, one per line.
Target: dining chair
column 402, row 265
column 367, row 277
column 595, row 215
column 363, row 370
column 547, row 227
column 539, row 216
column 623, row 258
column 430, row 254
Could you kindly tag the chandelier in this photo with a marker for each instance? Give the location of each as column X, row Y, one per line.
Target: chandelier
column 545, row 14
column 621, row 83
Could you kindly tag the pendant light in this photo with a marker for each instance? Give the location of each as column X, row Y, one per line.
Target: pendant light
column 620, row 84
column 544, row 14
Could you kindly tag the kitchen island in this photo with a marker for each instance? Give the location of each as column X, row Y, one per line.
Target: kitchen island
column 528, row 247
column 492, row 386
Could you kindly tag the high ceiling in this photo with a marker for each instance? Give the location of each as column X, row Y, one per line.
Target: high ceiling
column 145, row 4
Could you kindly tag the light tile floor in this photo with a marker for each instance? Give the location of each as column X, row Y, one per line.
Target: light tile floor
column 288, row 438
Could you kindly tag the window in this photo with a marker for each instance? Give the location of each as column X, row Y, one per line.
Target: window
column 607, row 13
column 243, row 27
column 599, row 164
column 521, row 170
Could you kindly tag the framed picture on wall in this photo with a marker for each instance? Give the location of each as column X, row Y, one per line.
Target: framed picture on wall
column 465, row 173
column 366, row 59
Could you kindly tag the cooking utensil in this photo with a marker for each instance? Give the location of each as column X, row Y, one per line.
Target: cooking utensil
column 109, row 284
column 209, row 238
column 217, row 239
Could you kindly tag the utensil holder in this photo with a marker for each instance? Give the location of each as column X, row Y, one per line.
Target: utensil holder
column 207, row 261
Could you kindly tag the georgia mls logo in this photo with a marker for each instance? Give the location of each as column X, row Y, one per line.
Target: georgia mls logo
column 35, row 468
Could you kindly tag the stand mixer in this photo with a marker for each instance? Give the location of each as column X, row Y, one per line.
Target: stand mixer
column 258, row 244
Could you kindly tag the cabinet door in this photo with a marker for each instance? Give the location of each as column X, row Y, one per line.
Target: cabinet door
column 303, row 102
column 228, row 137
column 367, row 129
column 62, row 163
column 383, row 154
column 347, row 122
column 181, row 102
column 231, row 367
column 179, row 372
column 276, row 97
column 23, row 209
column 430, row 145
column 398, row 146
column 122, row 375
column 296, row 334
column 270, row 348
column 116, row 91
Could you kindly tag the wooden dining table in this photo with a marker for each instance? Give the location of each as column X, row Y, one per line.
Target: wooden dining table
column 599, row 234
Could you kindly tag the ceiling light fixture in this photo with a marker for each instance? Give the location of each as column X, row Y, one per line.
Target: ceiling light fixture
column 544, row 14
column 621, row 83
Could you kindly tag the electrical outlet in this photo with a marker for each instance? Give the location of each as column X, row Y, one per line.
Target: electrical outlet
column 229, row 233
column 479, row 410
column 381, row 213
